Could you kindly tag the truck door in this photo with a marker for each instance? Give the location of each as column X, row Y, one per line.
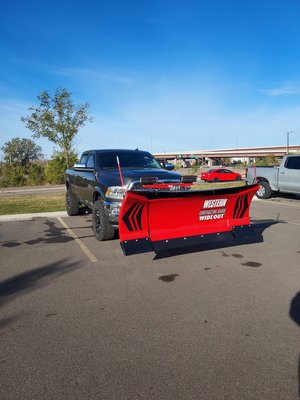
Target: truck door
column 90, row 178
column 289, row 175
column 85, row 179
column 77, row 178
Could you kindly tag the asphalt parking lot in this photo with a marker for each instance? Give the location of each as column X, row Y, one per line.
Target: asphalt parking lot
column 79, row 320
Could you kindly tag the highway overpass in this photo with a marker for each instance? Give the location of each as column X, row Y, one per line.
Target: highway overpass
column 239, row 153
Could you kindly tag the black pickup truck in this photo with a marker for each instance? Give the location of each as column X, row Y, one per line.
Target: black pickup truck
column 101, row 178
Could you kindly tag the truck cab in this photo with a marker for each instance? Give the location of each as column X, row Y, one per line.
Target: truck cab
column 289, row 175
column 101, row 178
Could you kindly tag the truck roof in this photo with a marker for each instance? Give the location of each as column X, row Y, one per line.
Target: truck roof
column 113, row 150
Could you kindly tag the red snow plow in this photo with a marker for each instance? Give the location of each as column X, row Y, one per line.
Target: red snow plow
column 158, row 218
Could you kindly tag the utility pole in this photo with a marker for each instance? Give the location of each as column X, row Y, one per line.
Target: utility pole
column 288, row 141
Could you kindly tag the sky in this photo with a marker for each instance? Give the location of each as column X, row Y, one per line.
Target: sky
column 160, row 75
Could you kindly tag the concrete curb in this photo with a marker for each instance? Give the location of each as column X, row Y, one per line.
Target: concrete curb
column 25, row 190
column 30, row 216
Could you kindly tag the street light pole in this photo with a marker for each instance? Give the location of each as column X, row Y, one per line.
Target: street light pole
column 287, row 141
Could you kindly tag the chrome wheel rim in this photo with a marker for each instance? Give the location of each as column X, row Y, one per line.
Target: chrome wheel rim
column 68, row 200
column 261, row 191
column 97, row 221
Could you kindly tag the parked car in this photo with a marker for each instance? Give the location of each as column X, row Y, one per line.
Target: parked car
column 220, row 174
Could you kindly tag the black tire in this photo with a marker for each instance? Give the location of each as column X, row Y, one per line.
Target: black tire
column 72, row 204
column 264, row 191
column 101, row 226
column 238, row 178
column 216, row 180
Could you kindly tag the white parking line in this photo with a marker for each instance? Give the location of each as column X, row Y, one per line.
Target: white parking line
column 83, row 247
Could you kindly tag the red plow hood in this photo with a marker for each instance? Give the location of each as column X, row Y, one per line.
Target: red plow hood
column 161, row 220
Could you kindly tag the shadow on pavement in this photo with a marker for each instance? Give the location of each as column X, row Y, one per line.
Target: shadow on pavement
column 257, row 237
column 7, row 321
column 53, row 234
column 288, row 196
column 295, row 309
column 33, row 279
column 295, row 316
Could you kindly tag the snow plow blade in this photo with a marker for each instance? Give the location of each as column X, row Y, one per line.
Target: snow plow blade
column 157, row 220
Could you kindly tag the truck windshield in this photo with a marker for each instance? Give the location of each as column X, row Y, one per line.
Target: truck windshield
column 127, row 160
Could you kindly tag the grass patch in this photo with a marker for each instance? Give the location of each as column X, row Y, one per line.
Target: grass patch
column 216, row 185
column 31, row 203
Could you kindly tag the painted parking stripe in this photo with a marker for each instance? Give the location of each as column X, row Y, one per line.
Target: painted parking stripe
column 83, row 247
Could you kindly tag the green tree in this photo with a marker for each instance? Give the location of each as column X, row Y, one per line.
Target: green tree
column 36, row 175
column 21, row 153
column 266, row 160
column 56, row 167
column 12, row 175
column 58, row 119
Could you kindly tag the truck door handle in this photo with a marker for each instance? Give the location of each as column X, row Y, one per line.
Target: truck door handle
column 282, row 172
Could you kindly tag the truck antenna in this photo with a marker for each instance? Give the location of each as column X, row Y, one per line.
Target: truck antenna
column 120, row 171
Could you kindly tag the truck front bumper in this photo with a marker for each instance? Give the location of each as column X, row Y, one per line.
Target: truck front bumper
column 112, row 209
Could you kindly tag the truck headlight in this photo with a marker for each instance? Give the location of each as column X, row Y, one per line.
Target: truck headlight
column 115, row 192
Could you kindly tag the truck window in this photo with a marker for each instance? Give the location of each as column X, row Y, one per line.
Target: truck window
column 293, row 163
column 90, row 161
column 128, row 160
column 83, row 158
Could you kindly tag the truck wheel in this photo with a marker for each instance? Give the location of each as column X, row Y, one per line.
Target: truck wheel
column 264, row 191
column 101, row 226
column 72, row 204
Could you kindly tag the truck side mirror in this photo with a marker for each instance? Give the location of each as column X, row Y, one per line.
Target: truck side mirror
column 79, row 166
column 83, row 167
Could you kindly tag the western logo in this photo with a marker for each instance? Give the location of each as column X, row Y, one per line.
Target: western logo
column 214, row 203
